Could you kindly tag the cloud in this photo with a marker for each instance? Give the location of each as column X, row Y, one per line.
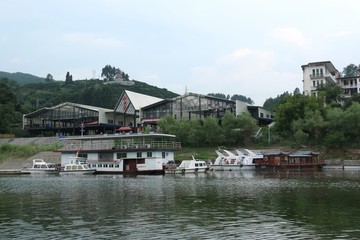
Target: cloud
column 290, row 35
column 247, row 72
column 92, row 40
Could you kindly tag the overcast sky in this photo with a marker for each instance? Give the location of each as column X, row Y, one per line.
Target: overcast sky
column 253, row 48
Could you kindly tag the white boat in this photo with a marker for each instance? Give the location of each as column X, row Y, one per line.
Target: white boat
column 230, row 161
column 77, row 166
column 130, row 153
column 40, row 166
column 189, row 166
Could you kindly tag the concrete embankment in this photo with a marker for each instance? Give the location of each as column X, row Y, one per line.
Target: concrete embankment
column 342, row 164
column 15, row 164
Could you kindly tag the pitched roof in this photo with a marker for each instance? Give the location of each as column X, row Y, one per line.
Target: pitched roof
column 141, row 100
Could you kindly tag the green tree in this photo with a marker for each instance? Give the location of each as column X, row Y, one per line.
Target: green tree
column 350, row 70
column 331, row 93
column 294, row 108
column 272, row 103
column 212, row 131
column 310, row 129
column 68, row 78
column 8, row 104
column 335, row 136
column 49, row 78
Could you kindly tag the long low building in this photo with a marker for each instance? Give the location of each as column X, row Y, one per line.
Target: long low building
column 132, row 112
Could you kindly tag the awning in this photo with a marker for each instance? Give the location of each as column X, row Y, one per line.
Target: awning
column 123, row 129
column 150, row 120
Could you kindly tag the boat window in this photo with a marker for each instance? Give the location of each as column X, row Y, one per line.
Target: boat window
column 36, row 166
column 196, row 164
column 121, row 155
column 105, row 165
column 140, row 161
column 117, row 165
column 43, row 166
column 111, row 165
column 74, row 167
column 149, row 154
column 163, row 154
column 93, row 165
column 139, row 154
column 99, row 165
column 68, row 168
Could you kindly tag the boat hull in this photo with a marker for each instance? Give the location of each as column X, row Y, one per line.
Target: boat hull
column 183, row 170
column 77, row 172
column 232, row 167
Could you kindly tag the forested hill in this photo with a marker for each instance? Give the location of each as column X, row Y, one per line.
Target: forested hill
column 22, row 78
column 33, row 96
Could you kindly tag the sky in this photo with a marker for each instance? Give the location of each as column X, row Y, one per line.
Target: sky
column 253, row 48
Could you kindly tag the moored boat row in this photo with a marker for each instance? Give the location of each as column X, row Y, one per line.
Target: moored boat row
column 153, row 153
column 270, row 159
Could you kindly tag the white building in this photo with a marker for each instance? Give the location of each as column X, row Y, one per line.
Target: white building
column 316, row 74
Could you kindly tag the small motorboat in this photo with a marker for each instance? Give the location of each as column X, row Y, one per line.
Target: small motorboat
column 77, row 166
column 189, row 166
column 40, row 166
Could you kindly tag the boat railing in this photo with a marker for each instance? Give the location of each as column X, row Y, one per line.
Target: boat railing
column 109, row 145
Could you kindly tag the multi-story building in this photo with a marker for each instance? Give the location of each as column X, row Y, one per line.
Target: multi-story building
column 350, row 85
column 316, row 74
column 134, row 110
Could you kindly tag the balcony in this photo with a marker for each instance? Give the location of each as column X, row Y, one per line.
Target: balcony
column 316, row 76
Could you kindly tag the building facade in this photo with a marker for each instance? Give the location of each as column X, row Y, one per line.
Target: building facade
column 71, row 119
column 187, row 107
column 133, row 111
column 316, row 74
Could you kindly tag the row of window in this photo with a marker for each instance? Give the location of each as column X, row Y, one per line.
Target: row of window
column 317, row 83
column 318, row 72
column 123, row 155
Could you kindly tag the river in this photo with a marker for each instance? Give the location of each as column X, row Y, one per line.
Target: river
column 215, row 205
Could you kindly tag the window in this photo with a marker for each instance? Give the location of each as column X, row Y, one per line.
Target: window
column 314, row 84
column 121, row 155
column 149, row 154
column 139, row 154
column 163, row 154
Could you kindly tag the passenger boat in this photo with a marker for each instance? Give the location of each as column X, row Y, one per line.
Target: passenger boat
column 77, row 166
column 189, row 166
column 230, row 161
column 40, row 166
column 284, row 160
column 127, row 153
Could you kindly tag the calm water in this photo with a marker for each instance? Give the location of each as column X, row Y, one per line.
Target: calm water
column 219, row 205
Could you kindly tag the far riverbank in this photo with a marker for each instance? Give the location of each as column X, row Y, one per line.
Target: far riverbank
column 205, row 153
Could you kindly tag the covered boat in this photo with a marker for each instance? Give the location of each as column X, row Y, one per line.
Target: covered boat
column 40, row 166
column 189, row 166
column 135, row 153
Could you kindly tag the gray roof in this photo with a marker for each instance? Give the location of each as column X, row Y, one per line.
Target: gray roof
column 141, row 100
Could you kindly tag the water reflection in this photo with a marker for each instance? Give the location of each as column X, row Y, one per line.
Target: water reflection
column 216, row 205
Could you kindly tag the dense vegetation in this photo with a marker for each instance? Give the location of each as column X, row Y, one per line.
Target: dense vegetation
column 325, row 121
column 320, row 122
